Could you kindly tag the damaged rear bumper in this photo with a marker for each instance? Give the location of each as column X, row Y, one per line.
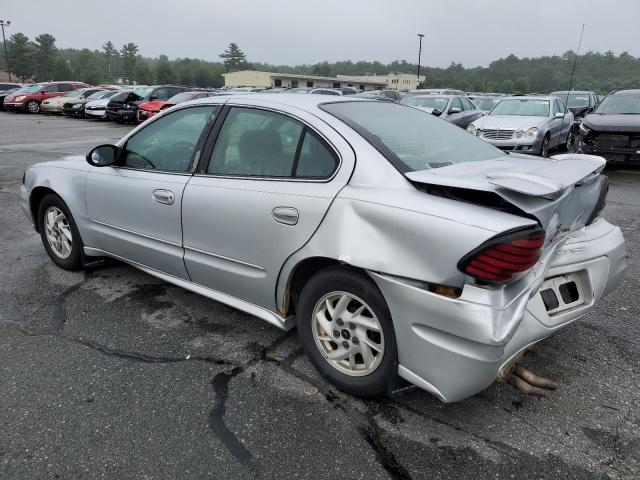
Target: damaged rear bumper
column 454, row 347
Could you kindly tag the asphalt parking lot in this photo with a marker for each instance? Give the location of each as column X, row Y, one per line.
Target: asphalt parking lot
column 111, row 373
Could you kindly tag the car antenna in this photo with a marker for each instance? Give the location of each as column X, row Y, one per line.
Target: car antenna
column 573, row 74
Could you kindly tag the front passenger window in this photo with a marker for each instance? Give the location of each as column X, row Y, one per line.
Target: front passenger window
column 168, row 143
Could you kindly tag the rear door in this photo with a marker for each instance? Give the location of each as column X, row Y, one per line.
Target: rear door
column 135, row 208
column 261, row 190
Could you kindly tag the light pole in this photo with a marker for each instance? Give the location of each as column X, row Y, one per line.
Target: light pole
column 4, row 42
column 420, row 36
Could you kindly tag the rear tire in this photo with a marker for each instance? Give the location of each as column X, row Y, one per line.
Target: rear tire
column 59, row 233
column 361, row 341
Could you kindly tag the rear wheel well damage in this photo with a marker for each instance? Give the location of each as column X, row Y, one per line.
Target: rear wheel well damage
column 36, row 196
column 302, row 273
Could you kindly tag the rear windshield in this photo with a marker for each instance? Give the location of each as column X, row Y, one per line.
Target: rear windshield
column 409, row 138
column 575, row 100
column 522, row 107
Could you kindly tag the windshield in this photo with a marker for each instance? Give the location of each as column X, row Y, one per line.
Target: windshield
column 180, row 97
column 31, row 88
column 486, row 103
column 74, row 93
column 424, row 101
column 97, row 95
column 574, row 99
column 409, row 138
column 522, row 107
column 620, row 104
column 143, row 91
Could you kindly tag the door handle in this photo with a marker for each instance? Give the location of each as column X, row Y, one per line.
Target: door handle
column 163, row 196
column 286, row 215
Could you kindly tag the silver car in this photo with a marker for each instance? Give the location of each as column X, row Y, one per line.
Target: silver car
column 529, row 124
column 456, row 109
column 396, row 242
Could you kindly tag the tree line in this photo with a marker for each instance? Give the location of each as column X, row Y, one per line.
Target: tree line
column 40, row 59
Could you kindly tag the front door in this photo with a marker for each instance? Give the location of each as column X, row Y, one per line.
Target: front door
column 263, row 189
column 135, row 207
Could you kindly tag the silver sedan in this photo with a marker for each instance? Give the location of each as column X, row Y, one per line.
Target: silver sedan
column 531, row 124
column 398, row 244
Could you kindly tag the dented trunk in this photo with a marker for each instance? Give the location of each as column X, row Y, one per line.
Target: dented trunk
column 563, row 193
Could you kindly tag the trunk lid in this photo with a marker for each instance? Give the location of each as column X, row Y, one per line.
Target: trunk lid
column 561, row 192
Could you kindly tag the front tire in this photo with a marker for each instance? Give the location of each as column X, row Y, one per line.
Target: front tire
column 544, row 148
column 347, row 333
column 59, row 233
column 33, row 106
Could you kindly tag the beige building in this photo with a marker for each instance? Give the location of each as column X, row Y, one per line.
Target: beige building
column 255, row 78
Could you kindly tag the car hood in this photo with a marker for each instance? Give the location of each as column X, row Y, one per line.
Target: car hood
column 612, row 123
column 153, row 106
column 561, row 192
column 98, row 103
column 509, row 122
column 76, row 162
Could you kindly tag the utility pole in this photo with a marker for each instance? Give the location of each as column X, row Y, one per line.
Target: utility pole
column 4, row 42
column 420, row 36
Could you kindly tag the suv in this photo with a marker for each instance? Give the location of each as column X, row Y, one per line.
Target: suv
column 28, row 98
column 122, row 107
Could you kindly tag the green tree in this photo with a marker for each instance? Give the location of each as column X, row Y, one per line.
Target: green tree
column 506, row 86
column 521, row 86
column 110, row 54
column 44, row 56
column 234, row 58
column 322, row 69
column 164, row 71
column 129, row 53
column 143, row 73
column 478, row 85
column 20, row 56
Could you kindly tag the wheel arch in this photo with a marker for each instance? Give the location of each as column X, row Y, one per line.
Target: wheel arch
column 35, row 198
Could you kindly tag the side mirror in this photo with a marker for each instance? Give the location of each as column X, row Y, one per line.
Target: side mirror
column 559, row 115
column 455, row 110
column 102, row 156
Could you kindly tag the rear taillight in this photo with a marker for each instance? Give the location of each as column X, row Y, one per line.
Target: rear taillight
column 504, row 258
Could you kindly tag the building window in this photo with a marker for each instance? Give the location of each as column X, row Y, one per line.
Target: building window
column 294, row 83
column 277, row 82
column 336, row 84
column 309, row 84
column 349, row 84
column 361, row 87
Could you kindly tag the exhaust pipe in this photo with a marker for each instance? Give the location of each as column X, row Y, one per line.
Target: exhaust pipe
column 524, row 380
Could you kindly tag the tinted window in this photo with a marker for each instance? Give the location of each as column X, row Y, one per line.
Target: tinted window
column 620, row 104
column 316, row 160
column 411, row 139
column 65, row 87
column 168, row 143
column 256, row 143
column 160, row 94
column 53, row 89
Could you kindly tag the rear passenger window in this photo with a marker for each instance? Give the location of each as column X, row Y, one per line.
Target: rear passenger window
column 65, row 87
column 316, row 160
column 256, row 143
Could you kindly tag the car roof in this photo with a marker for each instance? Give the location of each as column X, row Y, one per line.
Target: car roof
column 634, row 91
column 530, row 97
column 304, row 102
column 569, row 92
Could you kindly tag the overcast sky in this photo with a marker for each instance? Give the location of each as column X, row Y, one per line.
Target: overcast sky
column 473, row 32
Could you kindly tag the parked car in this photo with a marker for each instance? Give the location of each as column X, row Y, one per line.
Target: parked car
column 432, row 91
column 526, row 124
column 349, row 90
column 75, row 107
column 316, row 90
column 122, row 107
column 29, row 98
column 5, row 93
column 456, row 109
column 147, row 110
column 98, row 108
column 55, row 104
column 580, row 103
column 435, row 256
column 613, row 129
column 392, row 95
column 4, row 86
column 485, row 103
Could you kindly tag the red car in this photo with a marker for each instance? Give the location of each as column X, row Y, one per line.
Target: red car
column 147, row 110
column 29, row 98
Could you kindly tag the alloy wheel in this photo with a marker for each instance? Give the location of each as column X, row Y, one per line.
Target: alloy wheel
column 33, row 107
column 58, row 232
column 348, row 333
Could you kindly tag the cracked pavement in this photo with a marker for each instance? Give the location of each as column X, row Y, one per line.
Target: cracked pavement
column 111, row 373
